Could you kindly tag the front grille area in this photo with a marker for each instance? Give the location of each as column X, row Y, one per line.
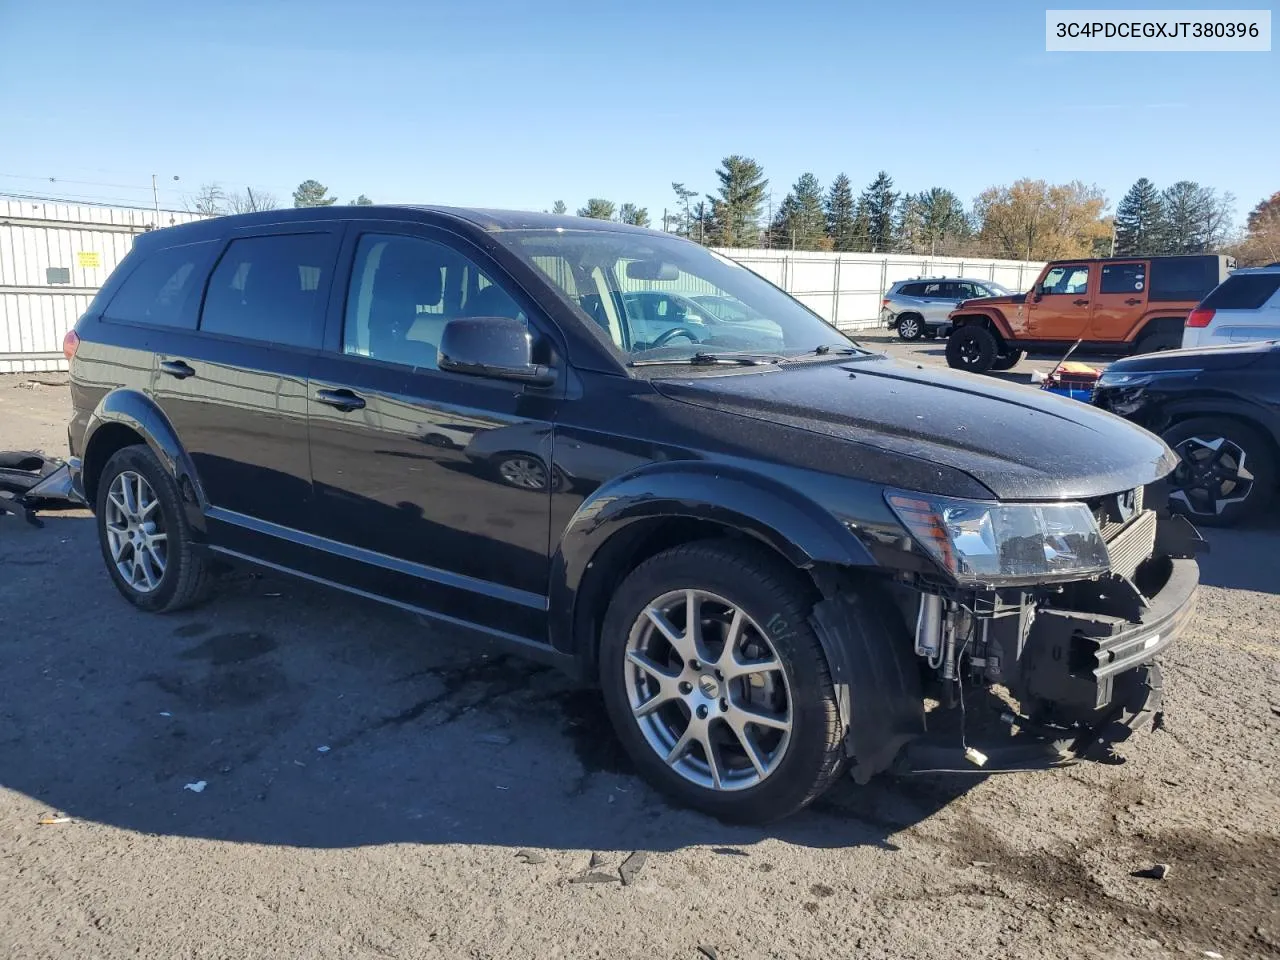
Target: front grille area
column 1132, row 544
column 1107, row 513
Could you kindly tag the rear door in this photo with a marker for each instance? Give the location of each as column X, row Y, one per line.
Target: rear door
column 1059, row 310
column 432, row 488
column 235, row 389
column 1121, row 300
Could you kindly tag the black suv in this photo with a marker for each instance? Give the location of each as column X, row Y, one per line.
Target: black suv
column 770, row 547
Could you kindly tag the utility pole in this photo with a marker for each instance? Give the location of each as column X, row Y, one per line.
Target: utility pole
column 155, row 196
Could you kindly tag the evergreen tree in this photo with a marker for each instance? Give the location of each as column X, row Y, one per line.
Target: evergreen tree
column 312, row 193
column 636, row 216
column 800, row 222
column 684, row 212
column 1184, row 225
column 909, row 228
column 735, row 213
column 945, row 222
column 1139, row 221
column 840, row 210
column 559, row 207
column 361, row 201
column 597, row 209
column 878, row 202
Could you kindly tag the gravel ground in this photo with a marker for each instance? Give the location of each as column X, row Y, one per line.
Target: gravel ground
column 373, row 788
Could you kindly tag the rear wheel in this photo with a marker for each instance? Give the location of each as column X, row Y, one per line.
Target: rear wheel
column 717, row 685
column 910, row 326
column 1159, row 340
column 144, row 535
column 972, row 348
column 1007, row 361
column 1226, row 472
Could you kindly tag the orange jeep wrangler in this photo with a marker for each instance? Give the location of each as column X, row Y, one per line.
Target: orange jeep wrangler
column 1121, row 305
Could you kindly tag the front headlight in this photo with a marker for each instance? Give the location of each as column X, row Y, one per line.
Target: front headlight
column 1003, row 543
column 1139, row 378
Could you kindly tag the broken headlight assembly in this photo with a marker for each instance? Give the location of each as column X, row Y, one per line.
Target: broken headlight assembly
column 995, row 544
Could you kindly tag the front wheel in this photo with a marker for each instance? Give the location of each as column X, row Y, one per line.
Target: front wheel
column 972, row 348
column 1007, row 361
column 717, row 685
column 144, row 535
column 1226, row 472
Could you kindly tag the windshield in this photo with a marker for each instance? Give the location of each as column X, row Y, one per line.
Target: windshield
column 659, row 298
column 996, row 290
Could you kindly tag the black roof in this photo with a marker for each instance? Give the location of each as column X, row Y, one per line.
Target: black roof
column 489, row 221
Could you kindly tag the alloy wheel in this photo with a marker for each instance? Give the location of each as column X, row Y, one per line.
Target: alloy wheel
column 1211, row 474
column 908, row 328
column 708, row 690
column 135, row 531
column 524, row 472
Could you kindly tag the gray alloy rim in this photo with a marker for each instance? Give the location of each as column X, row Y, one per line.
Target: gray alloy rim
column 1211, row 474
column 523, row 472
column 136, row 536
column 708, row 690
column 908, row 327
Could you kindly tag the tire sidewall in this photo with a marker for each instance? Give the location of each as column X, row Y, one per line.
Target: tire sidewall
column 141, row 460
column 986, row 344
column 788, row 629
column 909, row 323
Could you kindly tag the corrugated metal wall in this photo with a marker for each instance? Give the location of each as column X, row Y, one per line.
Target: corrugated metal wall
column 86, row 242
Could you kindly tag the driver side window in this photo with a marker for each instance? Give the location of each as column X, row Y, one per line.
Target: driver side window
column 1073, row 279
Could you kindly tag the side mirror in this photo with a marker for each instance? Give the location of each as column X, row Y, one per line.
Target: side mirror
column 498, row 347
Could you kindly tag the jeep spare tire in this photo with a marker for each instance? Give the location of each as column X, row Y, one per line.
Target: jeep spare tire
column 971, row 348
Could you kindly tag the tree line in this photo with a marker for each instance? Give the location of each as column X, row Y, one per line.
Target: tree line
column 1027, row 220
column 213, row 200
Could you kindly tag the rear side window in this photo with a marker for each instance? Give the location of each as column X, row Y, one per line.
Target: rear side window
column 156, row 292
column 1183, row 278
column 270, row 288
column 1124, row 278
column 912, row 290
column 1243, row 291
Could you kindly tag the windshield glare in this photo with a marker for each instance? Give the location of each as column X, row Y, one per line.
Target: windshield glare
column 658, row 297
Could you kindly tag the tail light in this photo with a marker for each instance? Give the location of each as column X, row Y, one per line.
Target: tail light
column 884, row 302
column 70, row 343
column 1200, row 317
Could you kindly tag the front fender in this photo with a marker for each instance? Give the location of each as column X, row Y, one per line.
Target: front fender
column 139, row 412
column 770, row 511
column 991, row 315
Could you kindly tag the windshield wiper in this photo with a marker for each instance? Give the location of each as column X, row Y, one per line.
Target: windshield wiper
column 824, row 350
column 710, row 359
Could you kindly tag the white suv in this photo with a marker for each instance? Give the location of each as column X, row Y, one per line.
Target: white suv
column 1245, row 306
column 921, row 307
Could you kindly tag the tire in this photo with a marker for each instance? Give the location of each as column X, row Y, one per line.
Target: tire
column 527, row 472
column 185, row 576
column 795, row 766
column 930, row 333
column 972, row 348
column 1007, row 361
column 1157, row 341
column 1207, row 485
column 910, row 326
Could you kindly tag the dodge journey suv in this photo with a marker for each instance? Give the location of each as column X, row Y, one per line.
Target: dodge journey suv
column 773, row 551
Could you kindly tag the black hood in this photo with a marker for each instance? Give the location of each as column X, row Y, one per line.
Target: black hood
column 1020, row 443
column 1227, row 357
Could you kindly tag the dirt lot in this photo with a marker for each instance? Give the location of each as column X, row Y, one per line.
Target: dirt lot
column 370, row 785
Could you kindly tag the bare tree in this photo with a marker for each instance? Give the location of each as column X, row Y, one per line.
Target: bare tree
column 250, row 200
column 210, row 200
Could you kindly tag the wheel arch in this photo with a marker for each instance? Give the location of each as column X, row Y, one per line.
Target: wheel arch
column 128, row 417
column 624, row 523
column 992, row 321
column 1257, row 419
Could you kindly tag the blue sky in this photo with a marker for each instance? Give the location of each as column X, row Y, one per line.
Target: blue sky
column 507, row 103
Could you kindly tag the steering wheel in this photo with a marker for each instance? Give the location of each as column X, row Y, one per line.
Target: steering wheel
column 668, row 335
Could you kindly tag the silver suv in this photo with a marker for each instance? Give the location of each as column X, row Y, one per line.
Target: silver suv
column 1244, row 307
column 920, row 307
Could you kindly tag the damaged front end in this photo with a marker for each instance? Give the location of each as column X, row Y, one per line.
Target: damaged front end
column 1025, row 675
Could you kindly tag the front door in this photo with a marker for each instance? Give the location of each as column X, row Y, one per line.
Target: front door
column 1059, row 308
column 432, row 488
column 1121, row 299
column 235, row 388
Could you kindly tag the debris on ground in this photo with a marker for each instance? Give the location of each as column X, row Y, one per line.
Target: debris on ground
column 595, row 876
column 1156, row 872
column 197, row 787
column 631, row 867
column 710, row 952
column 982, row 863
column 50, row 821
column 598, row 860
column 322, row 749
column 1213, row 955
column 531, row 857
column 497, row 739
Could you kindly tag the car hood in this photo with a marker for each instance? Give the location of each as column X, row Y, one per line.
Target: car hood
column 1226, row 357
column 1018, row 442
column 1012, row 299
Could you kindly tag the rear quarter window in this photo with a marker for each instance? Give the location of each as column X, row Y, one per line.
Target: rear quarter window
column 159, row 290
column 1243, row 291
column 1183, row 278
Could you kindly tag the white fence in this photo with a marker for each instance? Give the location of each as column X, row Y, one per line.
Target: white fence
column 846, row 288
column 54, row 257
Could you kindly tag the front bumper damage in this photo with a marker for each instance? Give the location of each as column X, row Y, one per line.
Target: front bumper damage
column 1023, row 679
column 31, row 482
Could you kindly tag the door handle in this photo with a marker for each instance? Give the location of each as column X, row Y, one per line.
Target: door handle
column 344, row 400
column 1133, row 301
column 177, row 368
column 1080, row 303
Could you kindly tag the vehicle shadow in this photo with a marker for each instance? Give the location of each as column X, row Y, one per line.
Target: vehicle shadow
column 1242, row 558
column 316, row 719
